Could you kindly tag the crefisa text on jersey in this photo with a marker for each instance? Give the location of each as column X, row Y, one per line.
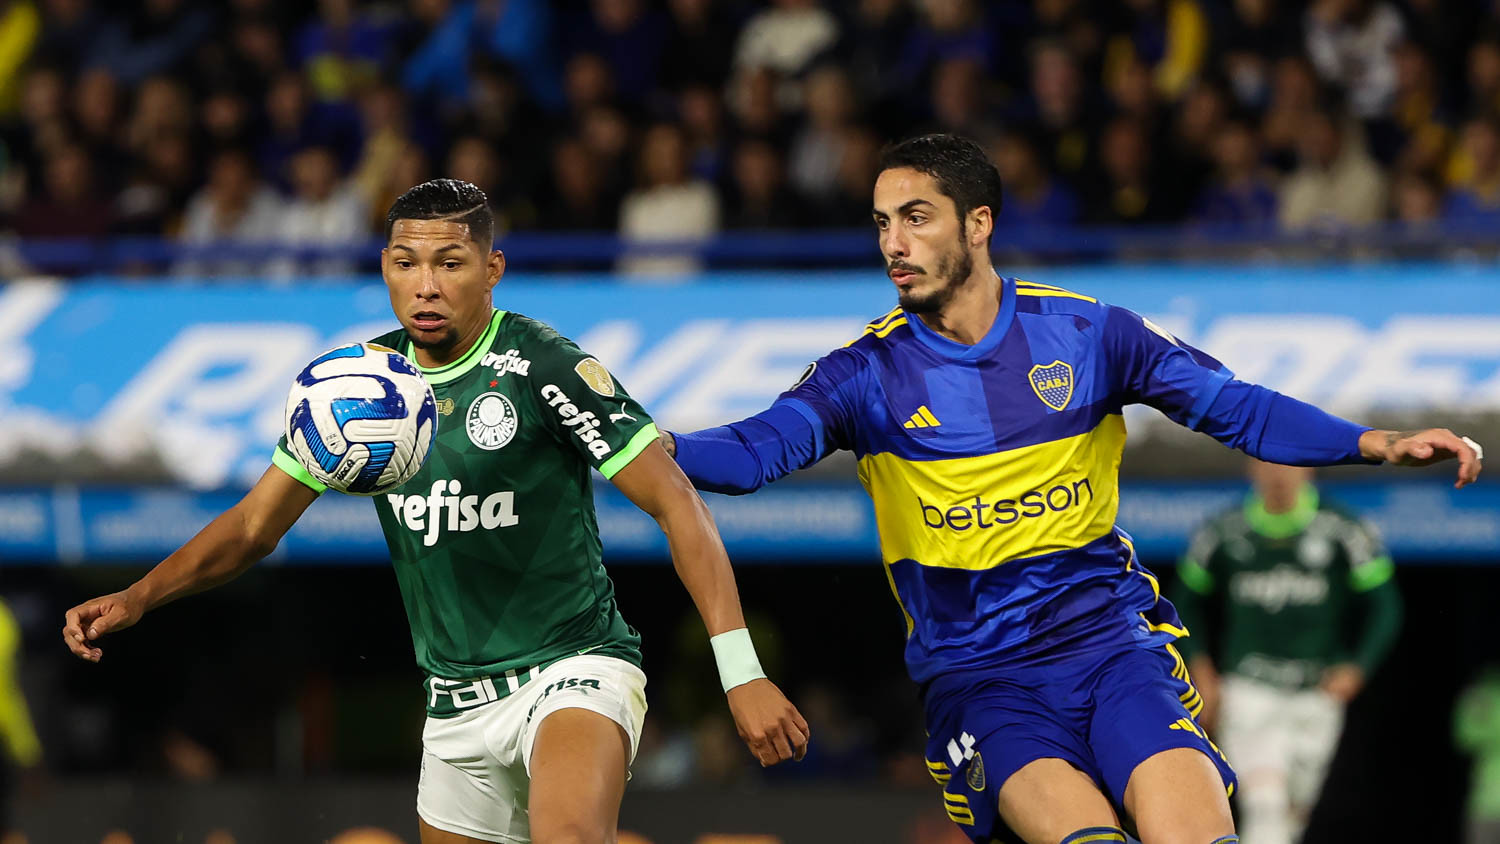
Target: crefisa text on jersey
column 464, row 512
column 509, row 361
column 585, row 425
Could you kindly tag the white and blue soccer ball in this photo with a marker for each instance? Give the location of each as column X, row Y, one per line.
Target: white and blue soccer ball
column 361, row 419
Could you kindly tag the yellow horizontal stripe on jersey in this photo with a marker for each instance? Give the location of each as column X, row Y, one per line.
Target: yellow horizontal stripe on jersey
column 957, row 799
column 1021, row 282
column 880, row 323
column 975, row 513
column 1037, row 291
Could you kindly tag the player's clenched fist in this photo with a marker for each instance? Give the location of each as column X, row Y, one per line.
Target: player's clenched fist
column 92, row 619
column 767, row 721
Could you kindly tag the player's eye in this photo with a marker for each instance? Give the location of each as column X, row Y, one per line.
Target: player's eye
column 916, row 219
column 451, row 265
column 404, row 264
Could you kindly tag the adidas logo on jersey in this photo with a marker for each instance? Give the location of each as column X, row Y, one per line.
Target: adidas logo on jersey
column 923, row 418
column 425, row 514
column 585, row 424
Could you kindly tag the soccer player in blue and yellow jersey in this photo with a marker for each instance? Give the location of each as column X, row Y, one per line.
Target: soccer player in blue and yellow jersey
column 986, row 416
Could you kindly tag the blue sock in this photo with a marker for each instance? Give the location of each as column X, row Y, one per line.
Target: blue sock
column 1097, row 835
column 1228, row 839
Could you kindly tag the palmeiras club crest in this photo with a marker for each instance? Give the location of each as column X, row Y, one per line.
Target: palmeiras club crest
column 1053, row 383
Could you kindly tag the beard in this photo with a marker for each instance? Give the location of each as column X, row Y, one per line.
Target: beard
column 439, row 347
column 953, row 269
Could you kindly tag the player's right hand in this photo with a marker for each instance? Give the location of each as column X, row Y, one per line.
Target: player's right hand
column 767, row 721
column 89, row 620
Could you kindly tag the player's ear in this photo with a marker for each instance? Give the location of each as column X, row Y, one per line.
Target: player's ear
column 495, row 268
column 981, row 225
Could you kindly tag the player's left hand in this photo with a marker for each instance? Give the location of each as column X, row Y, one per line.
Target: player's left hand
column 1423, row 448
column 1343, row 681
column 767, row 721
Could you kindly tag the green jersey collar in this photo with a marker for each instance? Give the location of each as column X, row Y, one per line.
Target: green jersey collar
column 447, row 372
column 1282, row 525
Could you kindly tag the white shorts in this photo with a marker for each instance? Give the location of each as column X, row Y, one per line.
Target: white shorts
column 476, row 765
column 1278, row 737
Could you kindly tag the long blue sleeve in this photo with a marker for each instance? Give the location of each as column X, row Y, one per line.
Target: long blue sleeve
column 1279, row 429
column 744, row 456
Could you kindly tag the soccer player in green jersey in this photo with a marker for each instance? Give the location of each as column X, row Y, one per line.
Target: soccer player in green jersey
column 1308, row 608
column 534, row 691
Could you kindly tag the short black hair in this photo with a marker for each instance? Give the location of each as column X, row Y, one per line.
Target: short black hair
column 963, row 172
column 446, row 199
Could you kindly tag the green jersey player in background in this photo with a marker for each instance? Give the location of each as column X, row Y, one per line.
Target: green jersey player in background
column 534, row 692
column 1306, row 609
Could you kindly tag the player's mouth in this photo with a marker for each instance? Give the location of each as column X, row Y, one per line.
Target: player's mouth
column 902, row 277
column 428, row 321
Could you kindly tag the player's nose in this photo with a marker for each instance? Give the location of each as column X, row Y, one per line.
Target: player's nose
column 893, row 244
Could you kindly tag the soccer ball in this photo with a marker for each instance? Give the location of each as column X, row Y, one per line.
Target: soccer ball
column 361, row 419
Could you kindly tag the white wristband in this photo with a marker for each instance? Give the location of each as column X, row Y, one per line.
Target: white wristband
column 736, row 657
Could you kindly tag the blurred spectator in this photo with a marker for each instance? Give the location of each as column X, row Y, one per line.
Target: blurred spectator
column 756, row 105
column 20, row 28
column 473, row 160
column 850, row 202
column 1308, row 609
column 947, row 30
column 958, row 99
column 1352, row 44
column 1475, row 195
column 1418, row 132
column 1476, row 731
column 234, row 208
column 325, row 213
column 607, row 135
column 162, row 179
column 1169, row 36
column 517, row 31
column 163, row 107
column 97, row 121
column 668, row 205
column 1240, row 194
column 411, row 168
column 70, row 204
column 225, row 117
column 1073, row 23
column 875, row 31
column 1418, row 200
column 341, row 51
column 1124, row 191
column 703, row 119
column 155, row 37
column 19, row 747
column 1059, row 110
column 69, row 31
column 700, row 44
column 1190, row 153
column 760, row 197
column 1294, row 94
column 383, row 124
column 786, row 37
column 1033, row 199
column 1336, row 183
column 629, row 37
column 579, row 199
column 1484, row 76
column 819, row 144
column 293, row 122
column 1256, row 33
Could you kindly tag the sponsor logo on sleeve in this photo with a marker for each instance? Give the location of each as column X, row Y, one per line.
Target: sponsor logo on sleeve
column 806, row 374
column 584, row 424
column 596, row 377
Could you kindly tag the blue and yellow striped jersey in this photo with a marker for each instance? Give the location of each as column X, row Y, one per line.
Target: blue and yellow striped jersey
column 994, row 471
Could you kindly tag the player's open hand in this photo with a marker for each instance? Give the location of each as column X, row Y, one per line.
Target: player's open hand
column 767, row 721
column 1423, row 448
column 89, row 620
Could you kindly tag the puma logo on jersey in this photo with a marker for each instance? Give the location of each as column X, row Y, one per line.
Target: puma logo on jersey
column 447, row 506
column 584, row 423
column 510, row 361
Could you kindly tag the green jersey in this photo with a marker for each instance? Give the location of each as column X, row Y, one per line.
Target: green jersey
column 494, row 541
column 1294, row 592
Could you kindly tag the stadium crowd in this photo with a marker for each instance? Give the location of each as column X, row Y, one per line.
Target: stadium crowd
column 268, row 121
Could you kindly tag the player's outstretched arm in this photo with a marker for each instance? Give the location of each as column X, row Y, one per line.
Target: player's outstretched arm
column 227, row 546
column 1424, row 448
column 767, row 721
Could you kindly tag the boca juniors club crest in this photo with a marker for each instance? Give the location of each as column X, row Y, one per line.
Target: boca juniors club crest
column 975, row 776
column 491, row 421
column 1053, row 383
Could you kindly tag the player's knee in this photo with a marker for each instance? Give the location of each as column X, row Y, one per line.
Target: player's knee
column 1101, row 834
column 571, row 832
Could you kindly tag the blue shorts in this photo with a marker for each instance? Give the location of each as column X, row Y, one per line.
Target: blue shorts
column 1103, row 712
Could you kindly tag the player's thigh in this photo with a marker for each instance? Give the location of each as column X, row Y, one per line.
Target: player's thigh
column 472, row 782
column 1177, row 797
column 1317, row 722
column 578, row 765
column 1049, row 799
column 432, row 835
column 1255, row 729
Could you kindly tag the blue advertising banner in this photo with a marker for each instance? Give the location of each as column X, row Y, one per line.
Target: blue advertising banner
column 195, row 376
column 787, row 522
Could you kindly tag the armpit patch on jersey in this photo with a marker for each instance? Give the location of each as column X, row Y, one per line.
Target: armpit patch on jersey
column 596, row 377
column 1052, row 383
column 491, row 421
